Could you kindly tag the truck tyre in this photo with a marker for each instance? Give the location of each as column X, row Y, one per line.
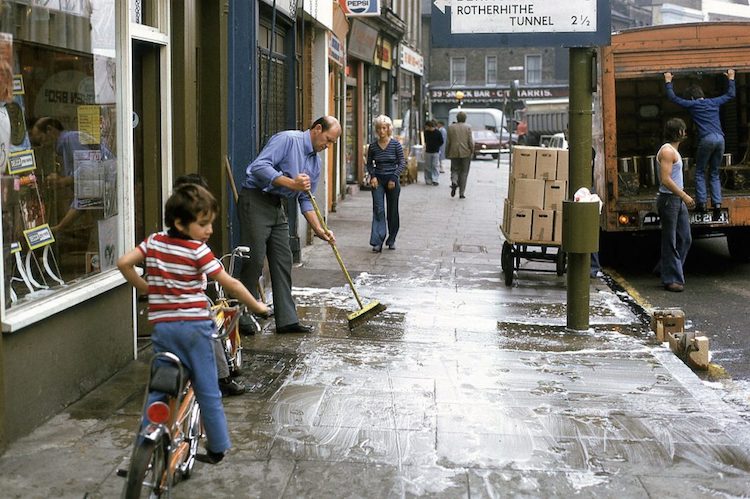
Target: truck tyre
column 738, row 244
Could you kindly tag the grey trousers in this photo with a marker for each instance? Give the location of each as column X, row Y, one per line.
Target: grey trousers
column 265, row 229
column 460, row 172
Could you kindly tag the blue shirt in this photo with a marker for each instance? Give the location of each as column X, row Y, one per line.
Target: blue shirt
column 705, row 112
column 388, row 163
column 288, row 153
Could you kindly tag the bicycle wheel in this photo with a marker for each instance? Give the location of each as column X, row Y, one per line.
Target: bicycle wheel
column 147, row 467
column 193, row 434
column 235, row 352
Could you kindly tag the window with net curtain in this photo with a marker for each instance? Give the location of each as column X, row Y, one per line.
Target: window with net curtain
column 58, row 132
column 533, row 69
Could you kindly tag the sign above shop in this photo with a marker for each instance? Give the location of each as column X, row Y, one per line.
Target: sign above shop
column 360, row 7
column 411, row 60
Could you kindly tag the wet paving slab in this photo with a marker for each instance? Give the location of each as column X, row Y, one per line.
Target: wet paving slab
column 463, row 387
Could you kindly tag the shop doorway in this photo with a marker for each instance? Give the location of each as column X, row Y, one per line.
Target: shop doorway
column 148, row 163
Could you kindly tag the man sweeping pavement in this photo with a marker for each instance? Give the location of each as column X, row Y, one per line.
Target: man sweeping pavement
column 286, row 168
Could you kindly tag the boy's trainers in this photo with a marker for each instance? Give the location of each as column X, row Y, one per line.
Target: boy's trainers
column 210, row 457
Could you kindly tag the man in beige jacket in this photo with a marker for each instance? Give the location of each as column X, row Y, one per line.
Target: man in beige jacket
column 459, row 150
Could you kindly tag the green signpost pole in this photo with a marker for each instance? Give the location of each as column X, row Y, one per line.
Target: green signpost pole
column 579, row 139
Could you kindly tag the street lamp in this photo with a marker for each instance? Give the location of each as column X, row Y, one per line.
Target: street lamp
column 459, row 97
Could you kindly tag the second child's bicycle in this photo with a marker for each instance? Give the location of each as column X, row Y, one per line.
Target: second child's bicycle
column 226, row 312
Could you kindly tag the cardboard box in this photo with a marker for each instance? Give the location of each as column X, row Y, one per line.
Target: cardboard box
column 542, row 224
column 546, row 164
column 555, row 192
column 524, row 161
column 667, row 321
column 526, row 193
column 562, row 164
column 519, row 223
column 557, row 233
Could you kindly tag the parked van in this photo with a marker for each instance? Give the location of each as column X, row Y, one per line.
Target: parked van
column 481, row 118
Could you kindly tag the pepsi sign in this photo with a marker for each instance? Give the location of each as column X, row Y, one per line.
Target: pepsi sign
column 360, row 7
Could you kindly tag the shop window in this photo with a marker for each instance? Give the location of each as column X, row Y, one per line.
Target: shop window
column 58, row 129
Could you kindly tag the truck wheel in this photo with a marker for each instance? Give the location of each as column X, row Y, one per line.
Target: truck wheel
column 738, row 244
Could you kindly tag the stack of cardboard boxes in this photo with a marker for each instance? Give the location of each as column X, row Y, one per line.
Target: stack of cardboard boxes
column 537, row 187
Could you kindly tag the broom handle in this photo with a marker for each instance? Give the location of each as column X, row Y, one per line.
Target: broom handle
column 335, row 250
column 230, row 175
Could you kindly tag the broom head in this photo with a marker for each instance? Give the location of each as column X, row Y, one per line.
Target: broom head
column 365, row 313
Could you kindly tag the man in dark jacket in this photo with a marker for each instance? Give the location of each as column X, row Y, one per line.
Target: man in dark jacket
column 433, row 140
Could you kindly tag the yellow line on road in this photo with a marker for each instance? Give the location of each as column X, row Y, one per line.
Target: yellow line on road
column 624, row 284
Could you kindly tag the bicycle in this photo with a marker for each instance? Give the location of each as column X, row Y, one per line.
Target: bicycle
column 226, row 313
column 165, row 449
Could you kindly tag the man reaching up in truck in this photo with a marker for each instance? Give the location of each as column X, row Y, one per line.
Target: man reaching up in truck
column 705, row 114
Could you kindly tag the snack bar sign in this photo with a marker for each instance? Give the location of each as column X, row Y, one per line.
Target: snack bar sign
column 525, row 16
column 360, row 7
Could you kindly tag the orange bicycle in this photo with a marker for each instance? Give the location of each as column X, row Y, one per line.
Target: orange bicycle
column 166, row 446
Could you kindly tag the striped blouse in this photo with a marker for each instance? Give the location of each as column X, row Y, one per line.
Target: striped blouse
column 386, row 163
column 175, row 270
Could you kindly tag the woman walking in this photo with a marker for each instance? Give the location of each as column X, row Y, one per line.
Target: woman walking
column 385, row 162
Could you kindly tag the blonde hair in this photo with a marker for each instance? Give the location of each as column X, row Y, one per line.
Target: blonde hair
column 383, row 120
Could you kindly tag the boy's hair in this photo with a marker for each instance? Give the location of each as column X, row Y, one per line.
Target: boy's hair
column 695, row 91
column 674, row 130
column 190, row 178
column 186, row 203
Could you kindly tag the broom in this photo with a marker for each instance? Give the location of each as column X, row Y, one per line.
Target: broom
column 365, row 312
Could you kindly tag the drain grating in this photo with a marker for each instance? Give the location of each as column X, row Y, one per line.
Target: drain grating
column 469, row 248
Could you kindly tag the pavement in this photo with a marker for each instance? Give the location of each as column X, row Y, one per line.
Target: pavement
column 463, row 387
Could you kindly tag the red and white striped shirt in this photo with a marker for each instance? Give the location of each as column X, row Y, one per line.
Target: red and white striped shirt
column 175, row 269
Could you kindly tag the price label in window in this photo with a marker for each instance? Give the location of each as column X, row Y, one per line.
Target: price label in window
column 39, row 236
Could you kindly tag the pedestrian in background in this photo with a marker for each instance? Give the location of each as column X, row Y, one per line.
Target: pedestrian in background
column 710, row 152
column 433, row 141
column 444, row 133
column 287, row 168
column 385, row 162
column 673, row 203
column 459, row 149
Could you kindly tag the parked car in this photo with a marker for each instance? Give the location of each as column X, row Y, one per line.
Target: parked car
column 486, row 142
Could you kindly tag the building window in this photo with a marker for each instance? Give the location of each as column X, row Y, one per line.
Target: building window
column 458, row 70
column 490, row 70
column 533, row 69
column 58, row 129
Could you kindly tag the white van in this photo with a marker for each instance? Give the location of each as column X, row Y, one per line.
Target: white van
column 481, row 118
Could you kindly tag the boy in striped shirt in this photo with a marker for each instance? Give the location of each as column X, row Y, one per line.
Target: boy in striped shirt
column 178, row 309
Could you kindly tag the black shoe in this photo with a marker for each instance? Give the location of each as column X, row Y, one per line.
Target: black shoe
column 453, row 190
column 377, row 249
column 674, row 287
column 717, row 212
column 392, row 246
column 210, row 457
column 294, row 328
column 230, row 387
column 435, row 183
column 700, row 207
column 462, row 196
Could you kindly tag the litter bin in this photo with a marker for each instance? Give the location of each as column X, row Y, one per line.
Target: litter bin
column 580, row 227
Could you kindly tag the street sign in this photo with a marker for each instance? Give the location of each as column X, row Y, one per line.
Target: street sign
column 487, row 23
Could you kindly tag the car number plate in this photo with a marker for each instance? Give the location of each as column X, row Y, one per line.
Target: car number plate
column 707, row 217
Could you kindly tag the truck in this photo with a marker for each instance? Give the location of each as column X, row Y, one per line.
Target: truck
column 542, row 118
column 630, row 110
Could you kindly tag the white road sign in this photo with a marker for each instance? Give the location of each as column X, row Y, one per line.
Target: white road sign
column 521, row 16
